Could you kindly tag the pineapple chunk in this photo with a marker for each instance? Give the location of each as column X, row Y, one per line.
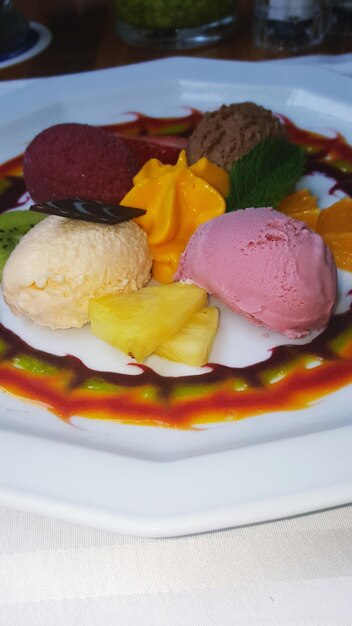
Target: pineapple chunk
column 138, row 322
column 192, row 344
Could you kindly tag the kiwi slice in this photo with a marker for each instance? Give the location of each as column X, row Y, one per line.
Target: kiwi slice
column 13, row 225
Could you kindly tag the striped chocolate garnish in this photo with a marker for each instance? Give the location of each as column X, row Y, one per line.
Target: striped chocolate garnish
column 88, row 210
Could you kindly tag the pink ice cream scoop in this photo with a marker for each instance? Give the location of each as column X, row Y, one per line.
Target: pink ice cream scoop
column 266, row 266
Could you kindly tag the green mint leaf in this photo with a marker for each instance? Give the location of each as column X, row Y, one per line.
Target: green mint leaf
column 265, row 175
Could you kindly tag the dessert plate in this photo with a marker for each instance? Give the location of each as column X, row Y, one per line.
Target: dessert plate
column 149, row 480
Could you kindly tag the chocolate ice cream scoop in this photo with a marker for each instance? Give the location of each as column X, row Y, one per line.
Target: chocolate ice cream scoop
column 225, row 135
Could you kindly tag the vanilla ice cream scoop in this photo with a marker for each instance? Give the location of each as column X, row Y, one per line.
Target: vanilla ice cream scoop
column 60, row 264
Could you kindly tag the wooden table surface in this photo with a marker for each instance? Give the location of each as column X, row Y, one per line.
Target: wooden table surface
column 84, row 38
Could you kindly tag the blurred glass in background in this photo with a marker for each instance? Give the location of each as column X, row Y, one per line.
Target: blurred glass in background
column 291, row 25
column 341, row 18
column 174, row 24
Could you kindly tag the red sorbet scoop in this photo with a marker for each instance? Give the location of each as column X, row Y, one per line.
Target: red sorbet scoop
column 69, row 160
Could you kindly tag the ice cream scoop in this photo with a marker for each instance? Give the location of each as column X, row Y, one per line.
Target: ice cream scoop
column 60, row 264
column 225, row 135
column 69, row 160
column 266, row 266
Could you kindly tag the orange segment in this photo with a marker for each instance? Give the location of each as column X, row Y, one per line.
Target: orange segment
column 340, row 245
column 298, row 202
column 335, row 226
column 301, row 205
column 337, row 218
column 309, row 217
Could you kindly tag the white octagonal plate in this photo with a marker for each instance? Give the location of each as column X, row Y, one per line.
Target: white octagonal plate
column 161, row 481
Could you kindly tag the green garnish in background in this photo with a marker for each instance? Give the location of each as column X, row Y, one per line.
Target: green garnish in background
column 265, row 175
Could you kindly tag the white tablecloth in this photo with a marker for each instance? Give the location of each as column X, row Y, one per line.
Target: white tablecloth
column 294, row 571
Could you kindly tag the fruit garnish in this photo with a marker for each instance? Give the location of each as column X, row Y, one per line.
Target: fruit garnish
column 335, row 226
column 88, row 210
column 177, row 198
column 137, row 323
column 265, row 175
column 301, row 205
column 340, row 246
column 334, row 223
column 336, row 218
column 13, row 225
column 193, row 342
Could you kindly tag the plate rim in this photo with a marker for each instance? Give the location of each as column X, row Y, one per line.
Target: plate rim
column 129, row 516
column 181, row 68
